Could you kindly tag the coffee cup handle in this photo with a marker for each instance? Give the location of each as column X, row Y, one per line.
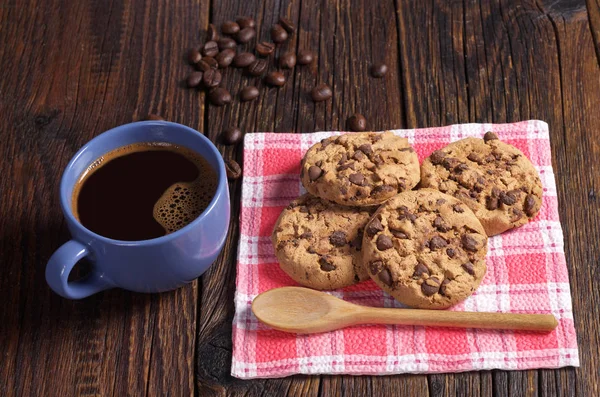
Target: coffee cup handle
column 60, row 265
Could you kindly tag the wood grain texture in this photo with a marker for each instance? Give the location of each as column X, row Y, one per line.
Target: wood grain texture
column 74, row 69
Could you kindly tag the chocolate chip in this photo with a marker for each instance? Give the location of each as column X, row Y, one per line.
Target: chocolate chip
column 194, row 56
column 357, row 123
column 437, row 242
column 358, row 155
column 437, row 157
column 375, row 267
column 508, row 198
column 230, row 27
column 457, row 208
column 211, row 78
column 278, row 34
column 451, row 252
column 450, row 163
column 378, row 70
column 243, row 60
column 311, row 250
column 326, row 265
column 212, row 33
column 233, row 169
column 357, row 179
column 287, row 60
column 303, row 209
column 246, row 22
column 440, row 201
column 248, row 93
column 366, row 148
column 420, row 270
column 305, row 57
column 265, row 48
column 210, row 49
column 287, row 25
column 518, row 214
column 404, row 213
column 440, row 225
column 225, row 57
column 356, row 243
column 226, row 43
column 530, row 205
column 385, row 276
column 338, row 238
column 491, row 203
column 314, row 173
column 343, row 190
column 194, row 79
column 384, row 242
column 321, row 93
column 345, row 167
column 382, row 189
column 258, row 67
column 461, row 167
column 469, row 243
column 468, row 268
column 474, row 157
column 496, row 192
column 319, row 163
column 374, row 227
column 377, row 160
column 489, row 136
column 444, row 285
column 430, row 286
column 306, row 235
column 275, row 79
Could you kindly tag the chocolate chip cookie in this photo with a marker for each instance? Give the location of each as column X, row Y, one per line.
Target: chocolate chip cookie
column 360, row 169
column 493, row 178
column 426, row 249
column 318, row 243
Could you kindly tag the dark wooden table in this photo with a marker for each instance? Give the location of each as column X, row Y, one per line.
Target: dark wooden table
column 73, row 69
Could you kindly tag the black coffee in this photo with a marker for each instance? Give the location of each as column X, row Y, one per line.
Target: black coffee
column 143, row 191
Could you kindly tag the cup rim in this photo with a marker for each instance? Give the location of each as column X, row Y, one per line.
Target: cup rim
column 65, row 202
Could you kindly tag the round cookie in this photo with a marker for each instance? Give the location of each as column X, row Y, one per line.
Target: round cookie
column 360, row 169
column 426, row 249
column 318, row 243
column 493, row 178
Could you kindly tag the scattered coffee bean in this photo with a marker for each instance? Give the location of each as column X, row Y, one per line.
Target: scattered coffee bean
column 230, row 27
column 233, row 169
column 278, row 34
column 338, row 238
column 420, row 270
column 529, row 206
column 468, row 268
column 287, row 25
column 379, row 70
column 225, row 43
column 211, row 78
column 225, row 57
column 305, row 57
column 258, row 67
column 276, row 79
column 206, row 64
column 245, row 35
column 384, row 242
column 287, row 60
column 154, row 117
column 246, row 22
column 243, row 60
column 248, row 93
column 385, row 276
column 194, row 56
column 430, row 286
column 357, row 122
column 194, row 79
column 489, row 136
column 321, row 93
column 314, row 172
column 265, row 48
column 212, row 33
column 210, row 49
column 232, row 135
column 219, row 96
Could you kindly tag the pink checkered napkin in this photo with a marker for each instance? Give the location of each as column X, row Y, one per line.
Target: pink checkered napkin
column 526, row 273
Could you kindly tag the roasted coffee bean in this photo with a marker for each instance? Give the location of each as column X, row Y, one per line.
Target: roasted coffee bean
column 233, row 169
column 384, row 242
column 210, row 49
column 529, row 206
column 287, row 60
column 243, row 60
column 357, row 179
column 194, row 79
column 206, row 64
column 437, row 242
column 225, row 57
column 321, row 93
column 211, row 78
column 230, row 27
column 258, row 67
column 430, row 286
column 246, row 22
column 385, row 276
column 248, row 93
column 287, row 25
column 194, row 56
column 469, row 243
column 231, row 136
column 276, row 79
column 314, row 172
column 489, row 136
column 154, row 117
column 305, row 57
column 278, row 34
column 212, row 33
column 379, row 70
column 374, row 227
column 264, row 48
column 420, row 270
column 245, row 35
column 338, row 238
column 357, row 122
column 225, row 43
column 219, row 96
column 468, row 268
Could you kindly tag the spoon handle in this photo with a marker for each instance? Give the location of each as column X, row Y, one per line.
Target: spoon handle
column 443, row 318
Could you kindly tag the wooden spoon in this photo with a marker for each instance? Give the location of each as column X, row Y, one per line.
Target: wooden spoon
column 306, row 311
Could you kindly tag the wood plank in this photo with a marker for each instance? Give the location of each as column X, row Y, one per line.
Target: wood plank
column 77, row 69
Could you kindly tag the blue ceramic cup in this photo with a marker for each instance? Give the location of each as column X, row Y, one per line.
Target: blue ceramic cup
column 154, row 265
